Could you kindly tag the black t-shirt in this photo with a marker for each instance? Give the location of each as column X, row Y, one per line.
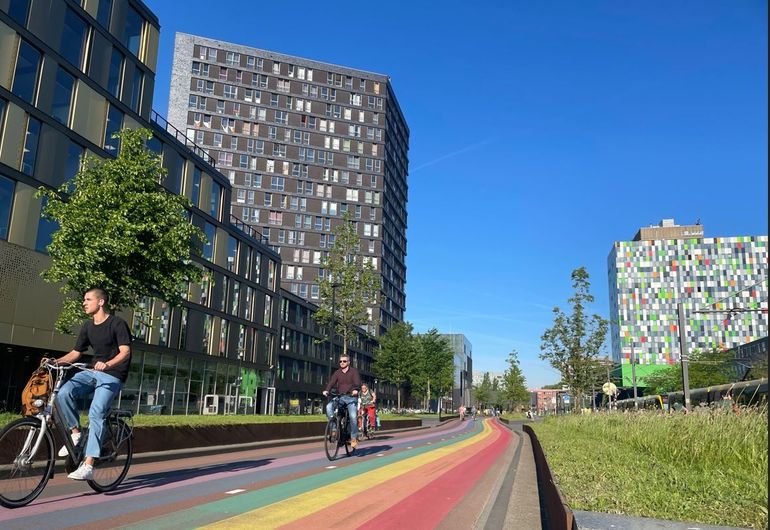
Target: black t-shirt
column 104, row 339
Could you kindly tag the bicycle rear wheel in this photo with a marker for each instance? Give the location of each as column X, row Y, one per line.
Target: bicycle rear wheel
column 117, row 450
column 331, row 438
column 22, row 474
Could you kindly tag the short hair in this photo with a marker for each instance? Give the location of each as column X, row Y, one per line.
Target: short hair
column 100, row 294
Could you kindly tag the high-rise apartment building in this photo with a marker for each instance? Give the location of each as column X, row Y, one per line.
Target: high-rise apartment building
column 721, row 282
column 302, row 142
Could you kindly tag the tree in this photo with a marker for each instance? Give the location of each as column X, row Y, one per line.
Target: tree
column 483, row 392
column 572, row 345
column 121, row 231
column 435, row 367
column 705, row 368
column 396, row 358
column 349, row 285
column 514, row 384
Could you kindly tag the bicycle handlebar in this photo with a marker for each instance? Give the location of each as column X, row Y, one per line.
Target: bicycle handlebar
column 52, row 364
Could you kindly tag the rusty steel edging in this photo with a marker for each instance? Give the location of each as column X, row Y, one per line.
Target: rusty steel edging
column 559, row 515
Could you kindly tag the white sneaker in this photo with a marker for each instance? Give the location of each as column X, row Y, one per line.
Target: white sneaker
column 75, row 440
column 84, row 472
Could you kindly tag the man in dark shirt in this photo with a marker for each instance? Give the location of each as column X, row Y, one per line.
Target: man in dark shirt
column 110, row 339
column 347, row 380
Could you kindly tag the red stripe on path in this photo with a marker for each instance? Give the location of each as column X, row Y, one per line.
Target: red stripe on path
column 428, row 506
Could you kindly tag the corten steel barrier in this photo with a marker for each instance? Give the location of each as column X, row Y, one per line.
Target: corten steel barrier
column 558, row 514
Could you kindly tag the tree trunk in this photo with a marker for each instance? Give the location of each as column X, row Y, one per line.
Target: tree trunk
column 427, row 404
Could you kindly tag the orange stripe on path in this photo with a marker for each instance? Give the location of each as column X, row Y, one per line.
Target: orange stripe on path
column 373, row 499
column 428, row 506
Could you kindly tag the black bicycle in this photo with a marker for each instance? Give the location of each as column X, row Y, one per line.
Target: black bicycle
column 338, row 429
column 27, row 449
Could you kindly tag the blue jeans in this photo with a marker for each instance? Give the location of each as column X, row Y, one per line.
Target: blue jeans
column 104, row 388
column 352, row 403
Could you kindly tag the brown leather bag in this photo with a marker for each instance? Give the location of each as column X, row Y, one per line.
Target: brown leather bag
column 39, row 386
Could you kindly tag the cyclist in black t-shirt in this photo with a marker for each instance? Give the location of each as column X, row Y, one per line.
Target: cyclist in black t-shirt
column 110, row 339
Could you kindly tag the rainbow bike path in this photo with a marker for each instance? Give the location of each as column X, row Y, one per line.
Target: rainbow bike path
column 437, row 478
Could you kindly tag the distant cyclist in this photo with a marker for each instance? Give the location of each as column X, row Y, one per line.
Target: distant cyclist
column 367, row 400
column 347, row 380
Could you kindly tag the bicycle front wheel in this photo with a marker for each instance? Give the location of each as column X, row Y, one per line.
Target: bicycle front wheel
column 23, row 475
column 117, row 450
column 331, row 439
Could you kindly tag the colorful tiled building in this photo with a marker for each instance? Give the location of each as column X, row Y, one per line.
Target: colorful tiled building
column 667, row 264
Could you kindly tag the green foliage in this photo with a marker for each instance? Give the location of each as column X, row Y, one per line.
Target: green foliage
column 434, row 374
column 121, row 231
column 705, row 368
column 350, row 284
column 573, row 343
column 397, row 357
column 708, row 467
column 482, row 393
column 514, row 390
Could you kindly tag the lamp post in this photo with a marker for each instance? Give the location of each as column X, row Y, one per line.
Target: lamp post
column 333, row 331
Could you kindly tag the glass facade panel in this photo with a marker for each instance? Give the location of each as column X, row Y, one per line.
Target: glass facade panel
column 30, row 147
column 27, row 69
column 73, row 38
column 132, row 32
column 116, row 73
column 62, row 96
column 6, row 200
column 114, row 125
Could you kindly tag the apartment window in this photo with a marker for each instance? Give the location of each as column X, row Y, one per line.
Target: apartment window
column 30, row 146
column 73, row 38
column 230, row 91
column 72, row 162
column 268, row 200
column 6, row 200
column 208, row 248
column 45, row 230
column 103, row 11
column 114, row 124
column 282, row 117
column 18, row 10
column 233, row 58
column 196, row 186
column 216, row 199
column 277, row 183
column 136, row 89
column 27, row 69
column 220, row 106
column 232, row 253
column 62, row 96
column 132, row 32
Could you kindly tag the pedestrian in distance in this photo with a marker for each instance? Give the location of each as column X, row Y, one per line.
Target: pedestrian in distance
column 110, row 339
column 347, row 380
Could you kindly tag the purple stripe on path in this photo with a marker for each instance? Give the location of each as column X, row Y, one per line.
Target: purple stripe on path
column 65, row 503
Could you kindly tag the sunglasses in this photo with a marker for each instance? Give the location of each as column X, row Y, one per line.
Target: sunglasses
column 343, row 362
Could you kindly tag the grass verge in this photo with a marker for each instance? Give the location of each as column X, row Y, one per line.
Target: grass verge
column 708, row 467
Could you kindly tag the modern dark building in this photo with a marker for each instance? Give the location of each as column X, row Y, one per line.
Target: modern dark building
column 72, row 74
column 302, row 143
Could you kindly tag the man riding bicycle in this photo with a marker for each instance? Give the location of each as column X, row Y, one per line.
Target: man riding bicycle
column 109, row 337
column 347, row 380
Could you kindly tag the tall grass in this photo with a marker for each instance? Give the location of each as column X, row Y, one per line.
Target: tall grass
column 709, row 466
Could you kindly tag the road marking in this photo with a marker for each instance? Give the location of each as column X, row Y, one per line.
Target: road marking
column 233, row 492
column 380, row 454
column 330, row 467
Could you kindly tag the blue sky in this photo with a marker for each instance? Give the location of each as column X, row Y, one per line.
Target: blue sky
column 541, row 132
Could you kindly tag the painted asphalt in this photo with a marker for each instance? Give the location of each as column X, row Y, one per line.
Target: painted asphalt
column 442, row 477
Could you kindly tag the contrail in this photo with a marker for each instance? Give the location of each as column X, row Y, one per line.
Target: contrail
column 450, row 155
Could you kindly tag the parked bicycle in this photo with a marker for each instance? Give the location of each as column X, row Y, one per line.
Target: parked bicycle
column 27, row 454
column 337, row 432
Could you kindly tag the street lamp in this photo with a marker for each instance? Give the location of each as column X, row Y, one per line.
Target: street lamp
column 333, row 331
